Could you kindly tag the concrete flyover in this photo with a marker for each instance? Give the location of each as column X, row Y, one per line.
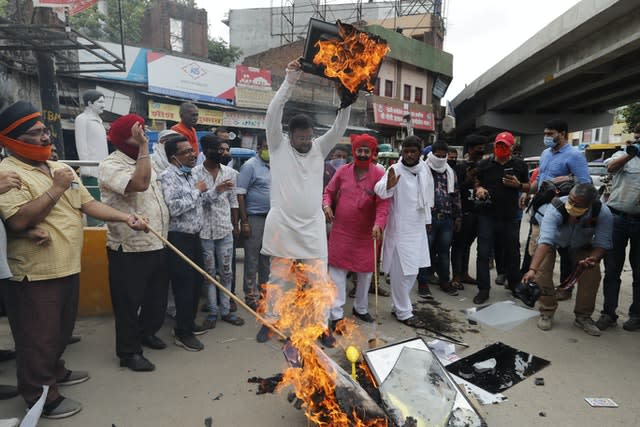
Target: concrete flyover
column 580, row 66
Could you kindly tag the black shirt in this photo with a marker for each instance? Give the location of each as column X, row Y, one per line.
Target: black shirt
column 465, row 171
column 504, row 200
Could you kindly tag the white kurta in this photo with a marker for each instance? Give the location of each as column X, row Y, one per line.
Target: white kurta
column 91, row 141
column 295, row 225
column 405, row 231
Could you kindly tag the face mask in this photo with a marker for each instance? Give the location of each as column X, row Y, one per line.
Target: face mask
column 34, row 152
column 362, row 162
column 501, row 151
column 452, row 163
column 336, row 163
column 549, row 142
column 225, row 160
column 183, row 168
column 264, row 155
column 573, row 211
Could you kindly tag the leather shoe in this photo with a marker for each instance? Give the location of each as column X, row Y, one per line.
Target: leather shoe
column 153, row 342
column 481, row 297
column 6, row 355
column 8, row 391
column 364, row 317
column 138, row 363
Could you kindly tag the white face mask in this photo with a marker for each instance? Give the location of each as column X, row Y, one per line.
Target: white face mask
column 549, row 142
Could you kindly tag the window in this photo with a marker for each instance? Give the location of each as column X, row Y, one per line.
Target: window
column 388, row 88
column 597, row 138
column 376, row 88
column 407, row 93
column 417, row 98
column 176, row 36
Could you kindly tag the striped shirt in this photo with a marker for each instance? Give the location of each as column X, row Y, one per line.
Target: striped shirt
column 61, row 257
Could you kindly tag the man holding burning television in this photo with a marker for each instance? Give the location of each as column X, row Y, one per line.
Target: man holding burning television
column 295, row 235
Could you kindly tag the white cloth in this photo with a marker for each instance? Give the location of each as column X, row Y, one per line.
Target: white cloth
column 159, row 159
column 295, row 226
column 361, row 303
column 405, row 232
column 91, row 140
column 401, row 285
column 440, row 165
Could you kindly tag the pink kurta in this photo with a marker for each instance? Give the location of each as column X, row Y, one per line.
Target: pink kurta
column 356, row 209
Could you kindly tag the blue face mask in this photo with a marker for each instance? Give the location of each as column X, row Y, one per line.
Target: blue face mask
column 549, row 142
column 185, row 169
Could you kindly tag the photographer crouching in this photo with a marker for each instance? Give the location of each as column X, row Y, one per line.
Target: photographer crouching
column 583, row 225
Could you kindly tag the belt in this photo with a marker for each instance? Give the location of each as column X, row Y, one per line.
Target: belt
column 440, row 216
column 623, row 214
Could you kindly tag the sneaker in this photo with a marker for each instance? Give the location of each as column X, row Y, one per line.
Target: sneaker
column 501, row 279
column 189, row 343
column 264, row 334
column 233, row 319
column 73, row 377
column 61, row 408
column 633, row 324
column 588, row 325
column 199, row 330
column 448, row 289
column 327, row 339
column 481, row 297
column 545, row 322
column 153, row 342
column 424, row 291
column 210, row 322
column 605, row 321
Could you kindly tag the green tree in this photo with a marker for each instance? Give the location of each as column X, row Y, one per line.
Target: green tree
column 631, row 115
column 95, row 24
column 221, row 53
column 3, row 5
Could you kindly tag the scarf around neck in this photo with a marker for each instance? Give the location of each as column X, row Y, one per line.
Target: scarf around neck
column 440, row 165
column 425, row 184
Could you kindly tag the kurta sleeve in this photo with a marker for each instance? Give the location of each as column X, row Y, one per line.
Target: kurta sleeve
column 331, row 190
column 273, row 120
column 381, row 187
column 327, row 141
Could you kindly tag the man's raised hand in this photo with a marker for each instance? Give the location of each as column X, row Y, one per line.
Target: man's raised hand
column 392, row 179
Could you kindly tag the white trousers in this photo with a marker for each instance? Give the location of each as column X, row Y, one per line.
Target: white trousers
column 361, row 304
column 401, row 286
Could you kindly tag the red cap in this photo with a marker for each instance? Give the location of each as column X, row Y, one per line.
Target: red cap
column 507, row 138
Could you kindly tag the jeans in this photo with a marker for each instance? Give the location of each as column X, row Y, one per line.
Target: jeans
column 461, row 244
column 440, row 236
column 218, row 253
column 254, row 262
column 625, row 230
column 186, row 282
column 503, row 237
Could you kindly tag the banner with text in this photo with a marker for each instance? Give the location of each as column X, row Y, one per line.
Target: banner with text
column 255, row 78
column 243, row 120
column 253, row 98
column 74, row 6
column 390, row 115
column 161, row 111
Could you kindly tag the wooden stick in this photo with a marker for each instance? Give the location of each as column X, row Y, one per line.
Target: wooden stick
column 375, row 277
column 206, row 275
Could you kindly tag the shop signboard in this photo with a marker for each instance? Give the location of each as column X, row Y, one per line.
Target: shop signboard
column 255, row 78
column 390, row 115
column 170, row 112
column 73, row 6
column 243, row 120
column 190, row 79
column 253, row 98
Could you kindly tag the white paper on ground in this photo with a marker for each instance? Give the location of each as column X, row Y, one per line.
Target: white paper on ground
column 33, row 416
column 601, row 402
column 504, row 315
column 11, row 422
column 485, row 365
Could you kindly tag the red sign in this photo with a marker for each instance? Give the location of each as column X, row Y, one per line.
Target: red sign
column 75, row 6
column 394, row 116
column 255, row 78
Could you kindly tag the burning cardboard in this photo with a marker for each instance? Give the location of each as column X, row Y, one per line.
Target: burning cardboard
column 342, row 53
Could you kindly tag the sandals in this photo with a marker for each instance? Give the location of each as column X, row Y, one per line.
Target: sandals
column 233, row 319
column 457, row 285
column 382, row 292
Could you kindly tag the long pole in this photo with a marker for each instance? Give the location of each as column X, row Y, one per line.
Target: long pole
column 206, row 275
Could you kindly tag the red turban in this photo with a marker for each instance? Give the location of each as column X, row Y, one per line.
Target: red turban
column 367, row 140
column 120, row 132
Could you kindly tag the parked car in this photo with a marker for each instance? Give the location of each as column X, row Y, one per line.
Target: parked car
column 239, row 156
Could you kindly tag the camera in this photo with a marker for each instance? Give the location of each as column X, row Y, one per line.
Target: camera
column 633, row 149
column 528, row 293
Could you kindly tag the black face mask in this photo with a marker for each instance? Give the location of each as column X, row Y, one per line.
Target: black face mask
column 225, row 160
column 452, row 163
column 214, row 156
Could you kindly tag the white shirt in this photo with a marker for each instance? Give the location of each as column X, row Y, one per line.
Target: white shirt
column 91, row 141
column 295, row 225
column 217, row 206
column 405, row 231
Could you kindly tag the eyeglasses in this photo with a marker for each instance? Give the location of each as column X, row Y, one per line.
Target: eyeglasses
column 299, row 138
column 38, row 133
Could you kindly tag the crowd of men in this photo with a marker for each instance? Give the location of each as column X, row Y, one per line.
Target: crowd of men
column 424, row 212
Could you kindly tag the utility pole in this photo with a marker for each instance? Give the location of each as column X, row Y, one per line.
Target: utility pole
column 48, row 83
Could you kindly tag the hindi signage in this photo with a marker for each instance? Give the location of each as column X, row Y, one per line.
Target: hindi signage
column 390, row 115
column 243, row 120
column 161, row 111
column 255, row 78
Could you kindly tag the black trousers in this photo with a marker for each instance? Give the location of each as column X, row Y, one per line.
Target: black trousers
column 186, row 282
column 42, row 315
column 461, row 245
column 139, row 282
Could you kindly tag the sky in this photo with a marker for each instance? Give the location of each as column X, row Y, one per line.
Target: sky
column 479, row 32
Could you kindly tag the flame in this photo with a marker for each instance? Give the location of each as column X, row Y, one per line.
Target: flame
column 354, row 60
column 302, row 313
